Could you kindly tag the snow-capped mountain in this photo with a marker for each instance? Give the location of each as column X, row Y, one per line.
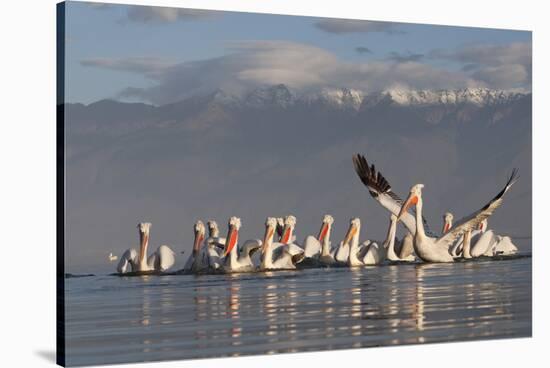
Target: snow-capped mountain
column 278, row 95
column 475, row 96
column 352, row 99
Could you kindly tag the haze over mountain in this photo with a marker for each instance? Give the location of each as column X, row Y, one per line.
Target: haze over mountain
column 273, row 151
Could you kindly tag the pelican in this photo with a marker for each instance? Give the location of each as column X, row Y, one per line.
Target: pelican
column 112, row 257
column 288, row 238
column 276, row 256
column 491, row 244
column 432, row 249
column 356, row 252
column 427, row 246
column 390, row 244
column 474, row 237
column 197, row 260
column 456, row 249
column 318, row 248
column 504, row 246
column 161, row 260
column 214, row 246
column 238, row 261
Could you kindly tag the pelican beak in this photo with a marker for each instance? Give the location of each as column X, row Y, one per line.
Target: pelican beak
column 231, row 241
column 411, row 200
column 351, row 232
column 199, row 238
column 286, row 235
column 267, row 238
column 323, row 232
column 446, row 228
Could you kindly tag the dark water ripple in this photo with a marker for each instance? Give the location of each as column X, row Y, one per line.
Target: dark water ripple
column 129, row 319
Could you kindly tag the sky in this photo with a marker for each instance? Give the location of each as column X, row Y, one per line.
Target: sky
column 162, row 55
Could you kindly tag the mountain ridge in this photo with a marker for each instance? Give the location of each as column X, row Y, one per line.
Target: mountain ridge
column 282, row 96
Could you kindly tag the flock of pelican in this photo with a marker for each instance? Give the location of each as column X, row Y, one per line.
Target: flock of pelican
column 278, row 250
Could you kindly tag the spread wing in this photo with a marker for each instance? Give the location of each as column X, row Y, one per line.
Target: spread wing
column 380, row 189
column 472, row 221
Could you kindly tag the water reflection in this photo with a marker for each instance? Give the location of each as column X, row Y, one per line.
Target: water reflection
column 229, row 315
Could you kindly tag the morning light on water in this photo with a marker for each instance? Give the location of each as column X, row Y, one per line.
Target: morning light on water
column 287, row 184
column 113, row 320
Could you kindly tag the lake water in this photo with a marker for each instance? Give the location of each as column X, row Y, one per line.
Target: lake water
column 111, row 319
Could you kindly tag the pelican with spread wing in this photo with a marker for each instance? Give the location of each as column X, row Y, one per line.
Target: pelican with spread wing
column 432, row 249
column 428, row 247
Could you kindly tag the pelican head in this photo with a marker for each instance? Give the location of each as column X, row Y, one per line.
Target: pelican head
column 290, row 221
column 233, row 236
column 447, row 222
column 414, row 195
column 199, row 230
column 354, row 228
column 213, row 229
column 144, row 227
column 328, row 220
column 289, row 224
column 271, row 224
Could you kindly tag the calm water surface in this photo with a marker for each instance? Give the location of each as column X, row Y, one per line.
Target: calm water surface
column 112, row 319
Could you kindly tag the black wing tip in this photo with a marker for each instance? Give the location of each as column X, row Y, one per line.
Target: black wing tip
column 369, row 176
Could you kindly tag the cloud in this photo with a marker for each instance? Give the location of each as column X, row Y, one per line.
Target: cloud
column 254, row 63
column 155, row 14
column 303, row 67
column 150, row 67
column 356, row 26
column 493, row 55
column 501, row 66
column 363, row 50
column 404, row 57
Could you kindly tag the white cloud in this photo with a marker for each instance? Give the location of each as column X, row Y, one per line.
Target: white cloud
column 301, row 67
column 500, row 66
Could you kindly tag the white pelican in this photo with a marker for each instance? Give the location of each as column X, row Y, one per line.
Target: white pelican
column 198, row 259
column 491, row 244
column 456, row 249
column 112, row 257
column 432, row 249
column 276, row 256
column 504, row 246
column 390, row 244
column 288, row 238
column 356, row 252
column 476, row 239
column 238, row 261
column 318, row 248
column 161, row 260
column 214, row 246
column 447, row 222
